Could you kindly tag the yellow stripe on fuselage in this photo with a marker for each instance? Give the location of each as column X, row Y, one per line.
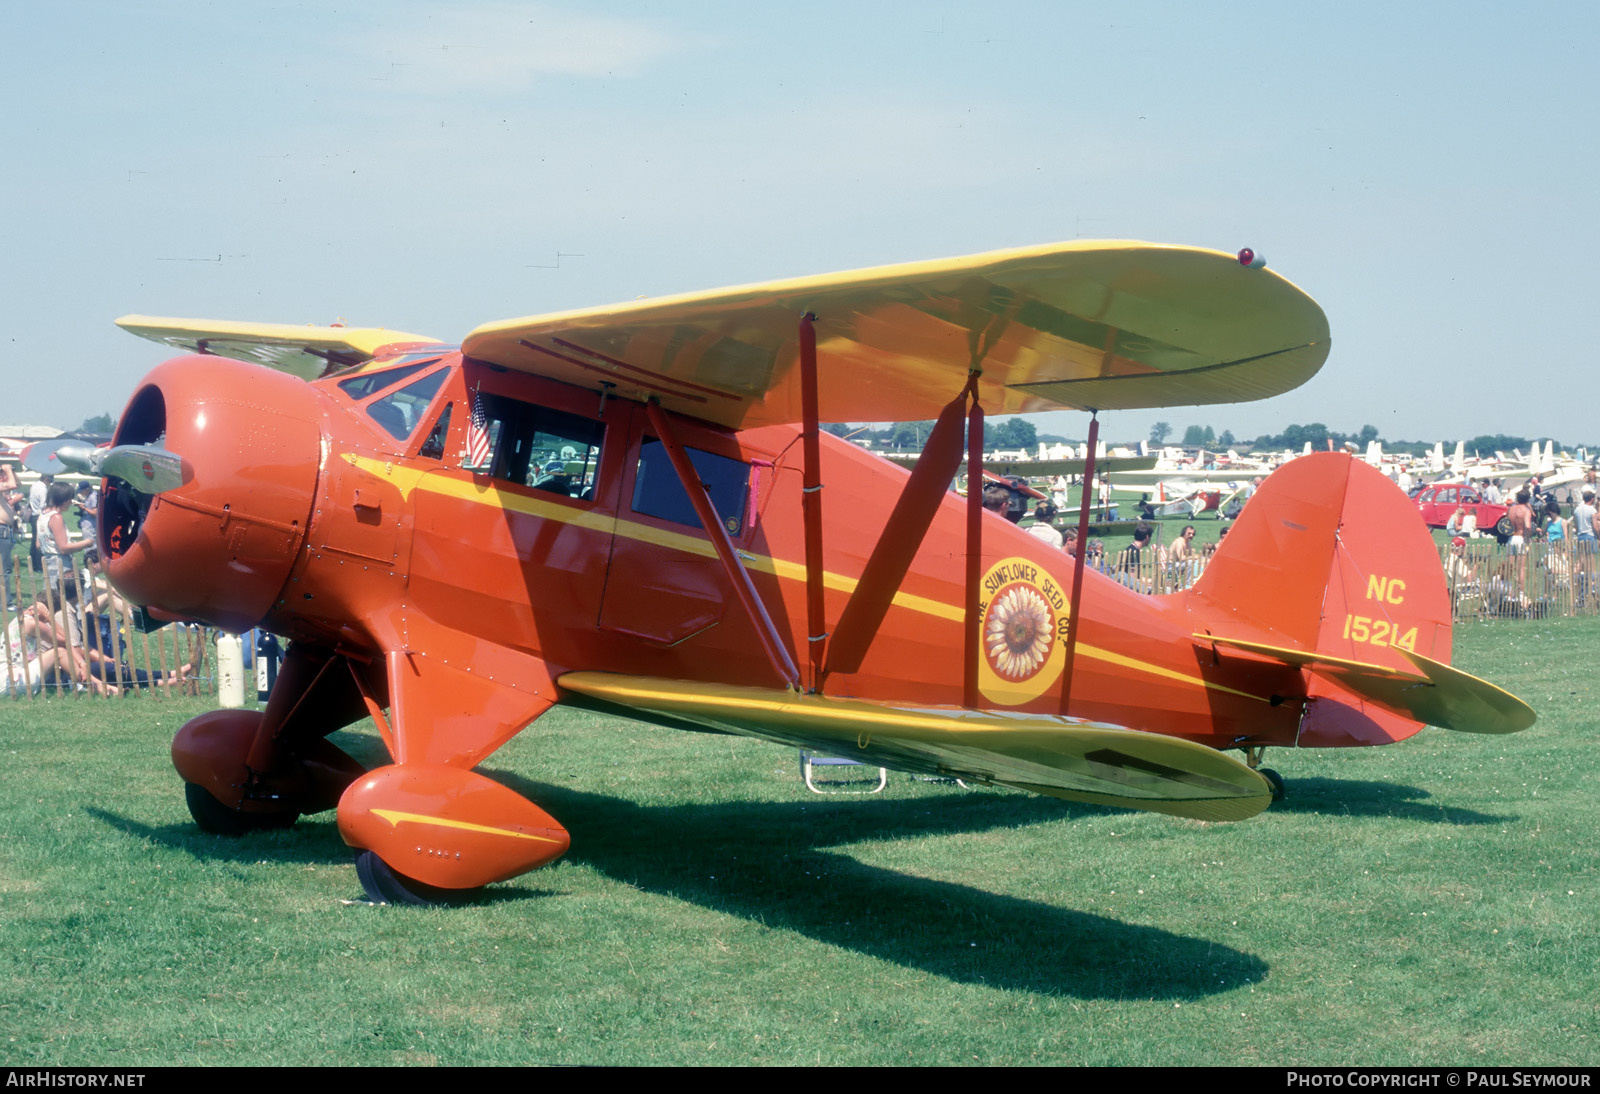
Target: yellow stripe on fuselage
column 407, row 479
column 1127, row 662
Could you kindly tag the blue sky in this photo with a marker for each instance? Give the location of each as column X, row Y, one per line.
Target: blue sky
column 1426, row 171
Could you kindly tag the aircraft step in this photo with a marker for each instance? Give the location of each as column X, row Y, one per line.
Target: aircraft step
column 809, row 762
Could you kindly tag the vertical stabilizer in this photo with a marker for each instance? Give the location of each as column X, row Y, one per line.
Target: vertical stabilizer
column 1330, row 560
column 1330, row 556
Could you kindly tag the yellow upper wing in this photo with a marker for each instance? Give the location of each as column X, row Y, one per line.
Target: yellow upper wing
column 305, row 351
column 1092, row 325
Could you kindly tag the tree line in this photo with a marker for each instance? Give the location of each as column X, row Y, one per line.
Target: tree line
column 1318, row 435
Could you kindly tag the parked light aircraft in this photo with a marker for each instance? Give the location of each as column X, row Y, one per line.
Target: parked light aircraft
column 633, row 508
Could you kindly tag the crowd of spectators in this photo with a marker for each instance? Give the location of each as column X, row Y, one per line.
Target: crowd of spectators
column 1488, row 572
column 65, row 629
column 1564, row 574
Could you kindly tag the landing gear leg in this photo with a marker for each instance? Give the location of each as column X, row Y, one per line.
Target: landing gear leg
column 429, row 829
column 1252, row 756
column 247, row 770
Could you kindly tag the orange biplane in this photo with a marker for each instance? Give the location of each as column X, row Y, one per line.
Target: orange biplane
column 633, row 508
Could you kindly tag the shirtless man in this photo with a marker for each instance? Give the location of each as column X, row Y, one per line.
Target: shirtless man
column 1184, row 558
column 1182, row 549
column 1521, row 515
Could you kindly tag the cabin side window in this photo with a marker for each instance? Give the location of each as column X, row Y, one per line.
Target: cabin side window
column 658, row 493
column 533, row 446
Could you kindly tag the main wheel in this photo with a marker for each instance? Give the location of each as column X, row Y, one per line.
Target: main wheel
column 214, row 817
column 1276, row 780
column 384, row 886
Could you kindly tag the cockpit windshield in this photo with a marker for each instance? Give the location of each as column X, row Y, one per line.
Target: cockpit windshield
column 370, row 383
column 400, row 413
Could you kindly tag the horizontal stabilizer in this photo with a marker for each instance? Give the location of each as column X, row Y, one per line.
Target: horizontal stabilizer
column 303, row 351
column 1062, row 757
column 1435, row 694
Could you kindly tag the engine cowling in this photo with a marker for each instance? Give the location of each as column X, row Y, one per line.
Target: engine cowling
column 219, row 548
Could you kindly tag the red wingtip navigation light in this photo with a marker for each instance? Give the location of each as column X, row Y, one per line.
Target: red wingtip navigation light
column 1248, row 257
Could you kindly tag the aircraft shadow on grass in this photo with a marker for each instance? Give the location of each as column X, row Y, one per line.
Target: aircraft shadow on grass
column 1365, row 798
column 768, row 862
column 314, row 841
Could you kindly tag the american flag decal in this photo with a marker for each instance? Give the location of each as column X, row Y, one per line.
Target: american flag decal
column 477, row 454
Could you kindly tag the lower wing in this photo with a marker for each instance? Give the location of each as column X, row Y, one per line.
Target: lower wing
column 1062, row 757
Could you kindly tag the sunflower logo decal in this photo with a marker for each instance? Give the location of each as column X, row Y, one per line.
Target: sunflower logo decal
column 1023, row 616
column 1018, row 633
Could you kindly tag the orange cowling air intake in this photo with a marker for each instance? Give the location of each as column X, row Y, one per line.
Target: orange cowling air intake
column 219, row 548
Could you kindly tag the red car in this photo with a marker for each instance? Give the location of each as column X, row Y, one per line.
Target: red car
column 1439, row 501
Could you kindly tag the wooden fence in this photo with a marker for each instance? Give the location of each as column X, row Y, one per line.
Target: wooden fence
column 1488, row 581
column 109, row 655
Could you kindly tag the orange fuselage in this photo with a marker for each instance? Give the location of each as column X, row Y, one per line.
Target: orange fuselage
column 339, row 514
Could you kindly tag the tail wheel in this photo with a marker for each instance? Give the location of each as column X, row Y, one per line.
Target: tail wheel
column 384, row 886
column 214, row 817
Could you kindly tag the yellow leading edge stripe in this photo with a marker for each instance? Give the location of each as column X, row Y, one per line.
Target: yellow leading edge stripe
column 407, row 479
column 394, row 817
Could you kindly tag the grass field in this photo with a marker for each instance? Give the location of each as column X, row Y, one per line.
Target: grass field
column 1431, row 902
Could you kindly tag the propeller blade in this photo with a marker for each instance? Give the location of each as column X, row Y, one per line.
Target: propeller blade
column 148, row 470
column 41, row 457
